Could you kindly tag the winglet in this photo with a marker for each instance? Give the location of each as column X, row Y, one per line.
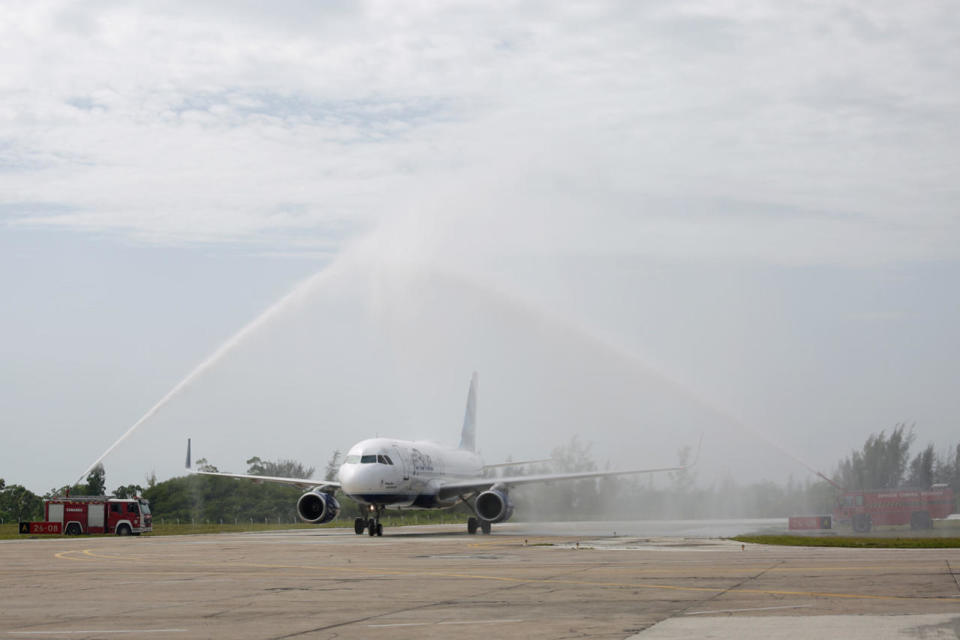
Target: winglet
column 468, row 437
column 188, row 453
column 696, row 458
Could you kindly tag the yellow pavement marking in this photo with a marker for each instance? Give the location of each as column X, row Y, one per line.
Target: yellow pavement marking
column 557, row 581
column 512, row 542
column 534, row 542
column 708, row 570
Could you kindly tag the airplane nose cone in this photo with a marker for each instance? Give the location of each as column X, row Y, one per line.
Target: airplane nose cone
column 354, row 478
column 346, row 475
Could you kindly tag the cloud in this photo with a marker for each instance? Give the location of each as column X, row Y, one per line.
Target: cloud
column 809, row 133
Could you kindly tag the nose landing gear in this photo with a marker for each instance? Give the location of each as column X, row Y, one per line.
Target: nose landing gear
column 373, row 525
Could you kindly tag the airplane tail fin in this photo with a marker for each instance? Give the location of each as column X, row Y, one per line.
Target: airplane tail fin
column 468, row 437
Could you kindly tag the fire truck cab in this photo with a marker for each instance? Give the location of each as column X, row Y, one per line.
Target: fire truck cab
column 98, row 514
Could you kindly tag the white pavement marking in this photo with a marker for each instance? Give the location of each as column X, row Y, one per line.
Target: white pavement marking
column 423, row 624
column 935, row 626
column 788, row 606
column 181, row 581
column 478, row 621
column 75, row 632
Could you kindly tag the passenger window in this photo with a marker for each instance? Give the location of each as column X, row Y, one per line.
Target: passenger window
column 368, row 459
column 132, row 507
column 115, row 507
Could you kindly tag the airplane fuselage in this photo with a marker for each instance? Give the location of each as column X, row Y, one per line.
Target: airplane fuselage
column 404, row 473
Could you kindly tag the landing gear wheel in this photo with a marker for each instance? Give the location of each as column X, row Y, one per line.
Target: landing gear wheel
column 472, row 525
column 379, row 529
column 485, row 527
column 372, row 527
column 359, row 525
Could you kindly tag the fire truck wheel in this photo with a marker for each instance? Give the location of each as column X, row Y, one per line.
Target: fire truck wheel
column 862, row 523
column 73, row 529
column 921, row 520
column 123, row 530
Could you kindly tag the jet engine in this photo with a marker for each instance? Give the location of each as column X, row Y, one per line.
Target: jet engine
column 317, row 507
column 494, row 506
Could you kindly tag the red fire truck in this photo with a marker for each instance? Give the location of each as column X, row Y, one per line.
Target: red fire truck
column 864, row 509
column 74, row 515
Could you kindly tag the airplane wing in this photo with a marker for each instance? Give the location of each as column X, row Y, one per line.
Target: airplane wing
column 460, row 487
column 519, row 463
column 449, row 489
column 305, row 483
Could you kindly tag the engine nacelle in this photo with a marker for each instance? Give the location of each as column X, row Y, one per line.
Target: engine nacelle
column 317, row 507
column 494, row 506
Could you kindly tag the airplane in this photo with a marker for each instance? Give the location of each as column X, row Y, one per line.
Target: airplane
column 383, row 473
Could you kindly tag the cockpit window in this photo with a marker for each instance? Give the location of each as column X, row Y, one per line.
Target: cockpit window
column 354, row 459
column 368, row 459
column 384, row 459
column 387, row 458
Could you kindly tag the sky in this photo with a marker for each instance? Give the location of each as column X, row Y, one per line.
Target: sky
column 639, row 222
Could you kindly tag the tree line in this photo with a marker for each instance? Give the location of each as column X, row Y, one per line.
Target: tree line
column 883, row 462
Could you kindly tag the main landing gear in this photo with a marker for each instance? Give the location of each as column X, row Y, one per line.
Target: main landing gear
column 474, row 523
column 372, row 525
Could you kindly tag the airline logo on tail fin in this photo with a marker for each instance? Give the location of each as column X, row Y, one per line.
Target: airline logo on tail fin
column 468, row 437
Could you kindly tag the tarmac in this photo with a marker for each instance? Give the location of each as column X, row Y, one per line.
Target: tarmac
column 439, row 582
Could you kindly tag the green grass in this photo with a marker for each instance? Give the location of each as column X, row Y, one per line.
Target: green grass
column 192, row 529
column 163, row 528
column 10, row 531
column 861, row 542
